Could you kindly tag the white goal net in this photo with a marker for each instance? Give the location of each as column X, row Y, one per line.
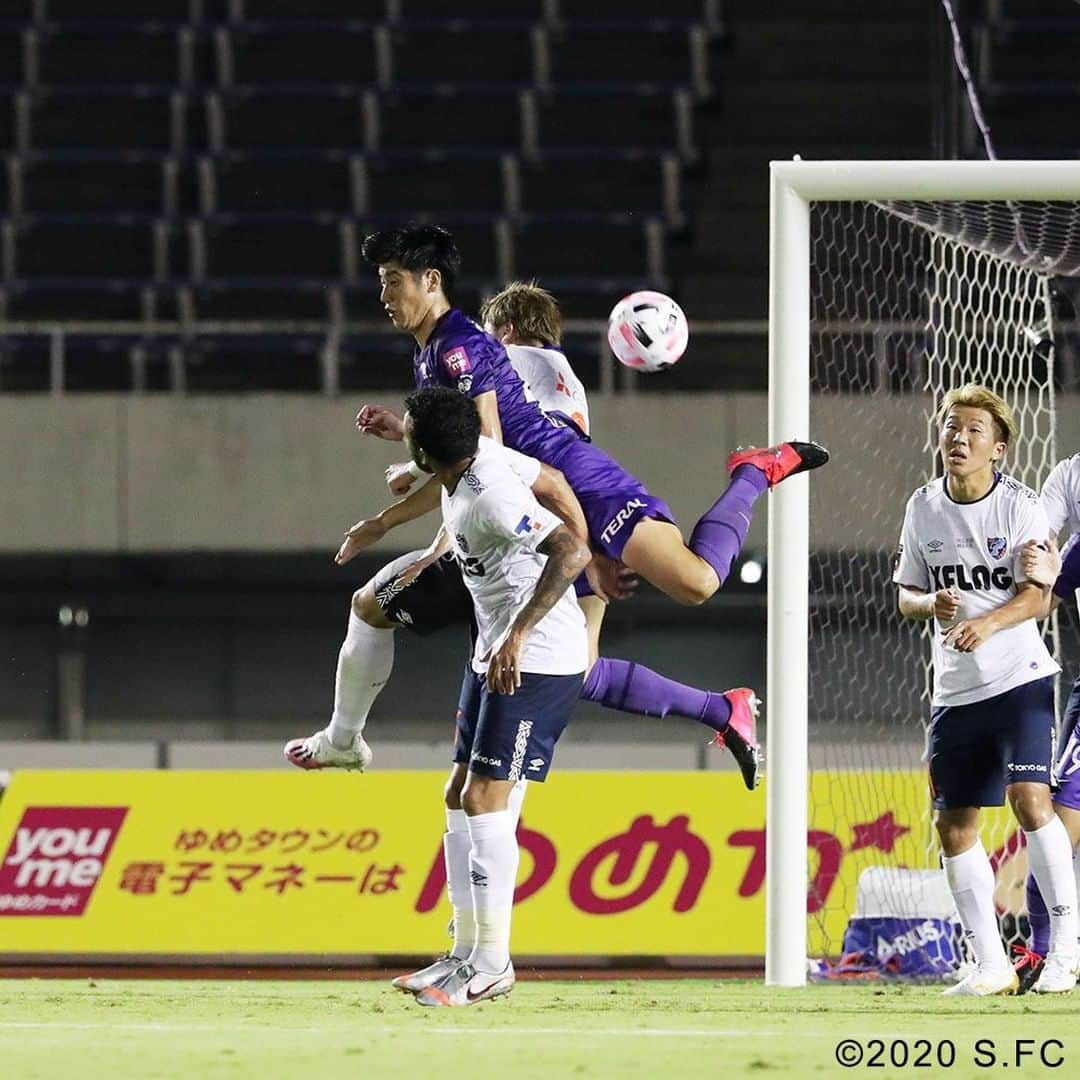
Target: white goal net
column 908, row 299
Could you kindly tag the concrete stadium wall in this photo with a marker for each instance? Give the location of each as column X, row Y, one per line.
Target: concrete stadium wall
column 280, row 473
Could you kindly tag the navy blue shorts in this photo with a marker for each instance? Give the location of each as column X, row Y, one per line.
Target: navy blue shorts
column 513, row 736
column 1068, row 766
column 978, row 749
column 437, row 598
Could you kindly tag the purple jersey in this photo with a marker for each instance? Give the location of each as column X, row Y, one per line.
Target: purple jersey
column 460, row 355
column 1068, row 582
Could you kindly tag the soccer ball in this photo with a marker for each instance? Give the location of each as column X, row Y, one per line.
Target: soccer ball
column 647, row 331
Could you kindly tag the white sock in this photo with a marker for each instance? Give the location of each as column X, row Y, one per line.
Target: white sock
column 364, row 664
column 515, row 799
column 493, row 866
column 456, row 847
column 1050, row 859
column 1076, row 877
column 971, row 881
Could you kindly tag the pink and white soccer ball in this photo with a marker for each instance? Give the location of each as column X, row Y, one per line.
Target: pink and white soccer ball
column 647, row 331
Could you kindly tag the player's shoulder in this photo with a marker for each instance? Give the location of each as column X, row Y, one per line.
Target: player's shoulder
column 1067, row 469
column 492, row 468
column 927, row 495
column 459, row 332
column 1014, row 491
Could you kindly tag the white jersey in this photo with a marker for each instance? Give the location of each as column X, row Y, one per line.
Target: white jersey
column 975, row 548
column 550, row 378
column 1061, row 496
column 495, row 526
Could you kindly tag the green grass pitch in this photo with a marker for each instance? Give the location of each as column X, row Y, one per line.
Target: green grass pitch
column 680, row 1028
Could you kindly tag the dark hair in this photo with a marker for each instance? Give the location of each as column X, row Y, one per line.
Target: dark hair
column 445, row 423
column 416, row 248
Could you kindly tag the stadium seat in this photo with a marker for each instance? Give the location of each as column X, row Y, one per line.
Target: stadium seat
column 290, row 298
column 437, row 51
column 272, row 246
column 96, row 299
column 436, row 182
column 615, row 53
column 263, row 182
column 646, row 183
column 587, row 116
column 91, row 55
column 100, row 184
column 407, row 118
column 474, row 9
column 642, row 11
column 1018, row 51
column 312, row 10
column 129, row 11
column 612, row 248
column 1032, row 114
column 11, row 55
column 289, row 120
column 375, row 362
column 299, row 53
column 146, row 120
column 233, row 362
column 53, row 247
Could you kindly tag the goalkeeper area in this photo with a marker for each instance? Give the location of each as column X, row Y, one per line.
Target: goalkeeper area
column 546, row 1028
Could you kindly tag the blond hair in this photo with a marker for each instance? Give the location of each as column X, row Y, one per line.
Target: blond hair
column 976, row 396
column 531, row 309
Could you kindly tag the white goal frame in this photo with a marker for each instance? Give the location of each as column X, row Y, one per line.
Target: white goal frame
column 794, row 185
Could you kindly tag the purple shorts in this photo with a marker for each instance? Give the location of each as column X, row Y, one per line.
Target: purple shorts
column 614, row 500
column 1068, row 766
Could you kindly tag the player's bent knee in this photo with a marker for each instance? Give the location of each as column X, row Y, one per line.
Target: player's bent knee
column 694, row 588
column 1032, row 805
column 484, row 796
column 366, row 607
column 452, row 790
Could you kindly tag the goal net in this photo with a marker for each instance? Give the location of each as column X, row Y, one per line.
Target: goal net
column 907, row 299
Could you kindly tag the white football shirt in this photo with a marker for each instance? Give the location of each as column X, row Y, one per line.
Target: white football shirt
column 495, row 526
column 548, row 375
column 1061, row 496
column 975, row 548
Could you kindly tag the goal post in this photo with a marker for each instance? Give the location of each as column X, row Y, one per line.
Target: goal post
column 795, row 187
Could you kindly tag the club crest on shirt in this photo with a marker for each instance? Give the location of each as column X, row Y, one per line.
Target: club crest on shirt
column 996, row 546
column 456, row 361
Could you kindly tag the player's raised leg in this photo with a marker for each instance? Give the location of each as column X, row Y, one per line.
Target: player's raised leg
column 365, row 661
column 392, row 599
column 692, row 572
column 630, row 687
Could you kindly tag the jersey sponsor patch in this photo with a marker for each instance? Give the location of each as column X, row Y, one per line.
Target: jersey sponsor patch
column 527, row 525
column 456, row 361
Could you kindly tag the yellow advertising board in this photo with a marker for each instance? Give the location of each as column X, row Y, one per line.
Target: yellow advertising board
column 266, row 863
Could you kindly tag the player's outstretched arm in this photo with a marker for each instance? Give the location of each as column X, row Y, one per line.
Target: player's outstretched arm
column 380, row 421
column 567, row 556
column 370, row 530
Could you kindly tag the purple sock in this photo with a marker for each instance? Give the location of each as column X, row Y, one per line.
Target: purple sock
column 1038, row 917
column 629, row 687
column 720, row 533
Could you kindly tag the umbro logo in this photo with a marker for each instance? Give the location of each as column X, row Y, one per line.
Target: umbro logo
column 536, row 763
column 478, row 879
